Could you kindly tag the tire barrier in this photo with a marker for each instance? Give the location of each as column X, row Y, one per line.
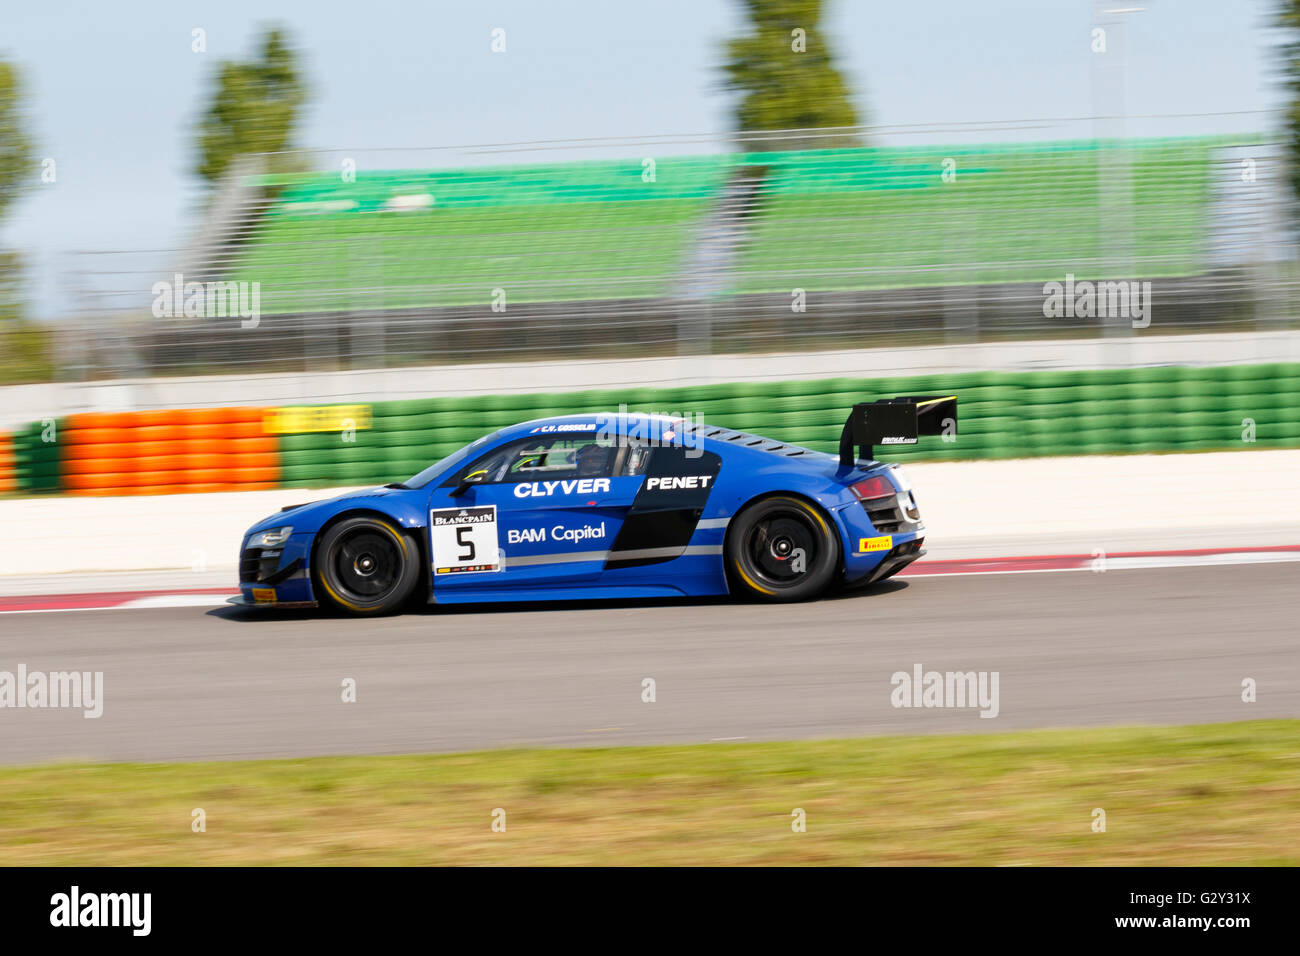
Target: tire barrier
column 169, row 451
column 8, row 479
column 36, row 456
column 1002, row 415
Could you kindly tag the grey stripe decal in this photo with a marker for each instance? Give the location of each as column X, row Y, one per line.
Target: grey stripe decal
column 640, row 553
column 713, row 523
column 525, row 560
column 575, row 556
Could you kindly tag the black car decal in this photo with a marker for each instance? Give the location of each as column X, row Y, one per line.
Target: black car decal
column 666, row 510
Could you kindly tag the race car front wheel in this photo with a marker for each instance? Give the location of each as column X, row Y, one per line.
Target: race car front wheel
column 781, row 549
column 366, row 566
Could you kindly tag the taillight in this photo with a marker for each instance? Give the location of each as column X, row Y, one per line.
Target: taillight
column 877, row 487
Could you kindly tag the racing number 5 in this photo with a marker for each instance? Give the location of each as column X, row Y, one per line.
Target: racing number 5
column 460, row 540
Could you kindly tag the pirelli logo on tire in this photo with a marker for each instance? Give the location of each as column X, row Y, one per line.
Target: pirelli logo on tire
column 882, row 543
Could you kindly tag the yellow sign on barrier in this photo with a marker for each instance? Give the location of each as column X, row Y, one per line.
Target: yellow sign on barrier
column 297, row 419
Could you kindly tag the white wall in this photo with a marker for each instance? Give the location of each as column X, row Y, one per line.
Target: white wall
column 971, row 509
column 27, row 403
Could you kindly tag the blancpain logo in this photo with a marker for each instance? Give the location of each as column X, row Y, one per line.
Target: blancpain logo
column 75, row 908
column 477, row 516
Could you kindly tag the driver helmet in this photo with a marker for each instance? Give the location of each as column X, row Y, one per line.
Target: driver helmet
column 591, row 460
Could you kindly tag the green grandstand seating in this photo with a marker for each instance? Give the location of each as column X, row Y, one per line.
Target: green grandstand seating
column 838, row 219
column 564, row 232
column 885, row 218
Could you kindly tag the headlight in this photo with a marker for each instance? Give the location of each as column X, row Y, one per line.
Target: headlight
column 269, row 539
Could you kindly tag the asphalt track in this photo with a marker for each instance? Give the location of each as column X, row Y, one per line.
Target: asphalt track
column 1151, row 646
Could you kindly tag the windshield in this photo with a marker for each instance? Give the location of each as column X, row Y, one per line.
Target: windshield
column 451, row 461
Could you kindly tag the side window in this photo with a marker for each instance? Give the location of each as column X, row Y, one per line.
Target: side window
column 636, row 461
column 546, row 458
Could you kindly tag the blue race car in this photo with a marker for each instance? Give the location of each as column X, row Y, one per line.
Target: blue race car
column 608, row 506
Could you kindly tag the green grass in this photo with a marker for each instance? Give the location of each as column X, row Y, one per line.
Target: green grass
column 1215, row 794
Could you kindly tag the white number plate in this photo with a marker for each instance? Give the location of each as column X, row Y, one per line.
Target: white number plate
column 464, row 540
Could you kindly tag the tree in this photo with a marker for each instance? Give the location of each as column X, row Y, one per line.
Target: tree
column 787, row 78
column 254, row 107
column 16, row 152
column 24, row 348
column 1289, row 20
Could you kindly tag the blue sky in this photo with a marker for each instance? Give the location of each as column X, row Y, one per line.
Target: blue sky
column 115, row 89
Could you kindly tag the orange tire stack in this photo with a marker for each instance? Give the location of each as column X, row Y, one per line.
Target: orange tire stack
column 174, row 451
column 8, row 480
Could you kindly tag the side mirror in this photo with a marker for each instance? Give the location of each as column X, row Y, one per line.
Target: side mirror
column 474, row 478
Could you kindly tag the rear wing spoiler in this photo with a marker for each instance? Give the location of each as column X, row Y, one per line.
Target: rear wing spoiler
column 896, row 421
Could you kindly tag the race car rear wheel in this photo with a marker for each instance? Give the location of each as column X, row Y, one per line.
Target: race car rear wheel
column 366, row 566
column 781, row 549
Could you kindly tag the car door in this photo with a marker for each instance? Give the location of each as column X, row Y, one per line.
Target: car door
column 662, row 517
column 529, row 515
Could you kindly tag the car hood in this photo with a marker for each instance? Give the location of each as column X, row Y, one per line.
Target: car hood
column 293, row 514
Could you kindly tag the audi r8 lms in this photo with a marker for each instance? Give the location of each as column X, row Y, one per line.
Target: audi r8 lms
column 608, row 506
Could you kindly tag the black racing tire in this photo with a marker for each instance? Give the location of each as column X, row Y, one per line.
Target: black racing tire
column 366, row 566
column 762, row 545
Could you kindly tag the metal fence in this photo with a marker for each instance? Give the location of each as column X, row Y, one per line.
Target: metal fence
column 883, row 269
